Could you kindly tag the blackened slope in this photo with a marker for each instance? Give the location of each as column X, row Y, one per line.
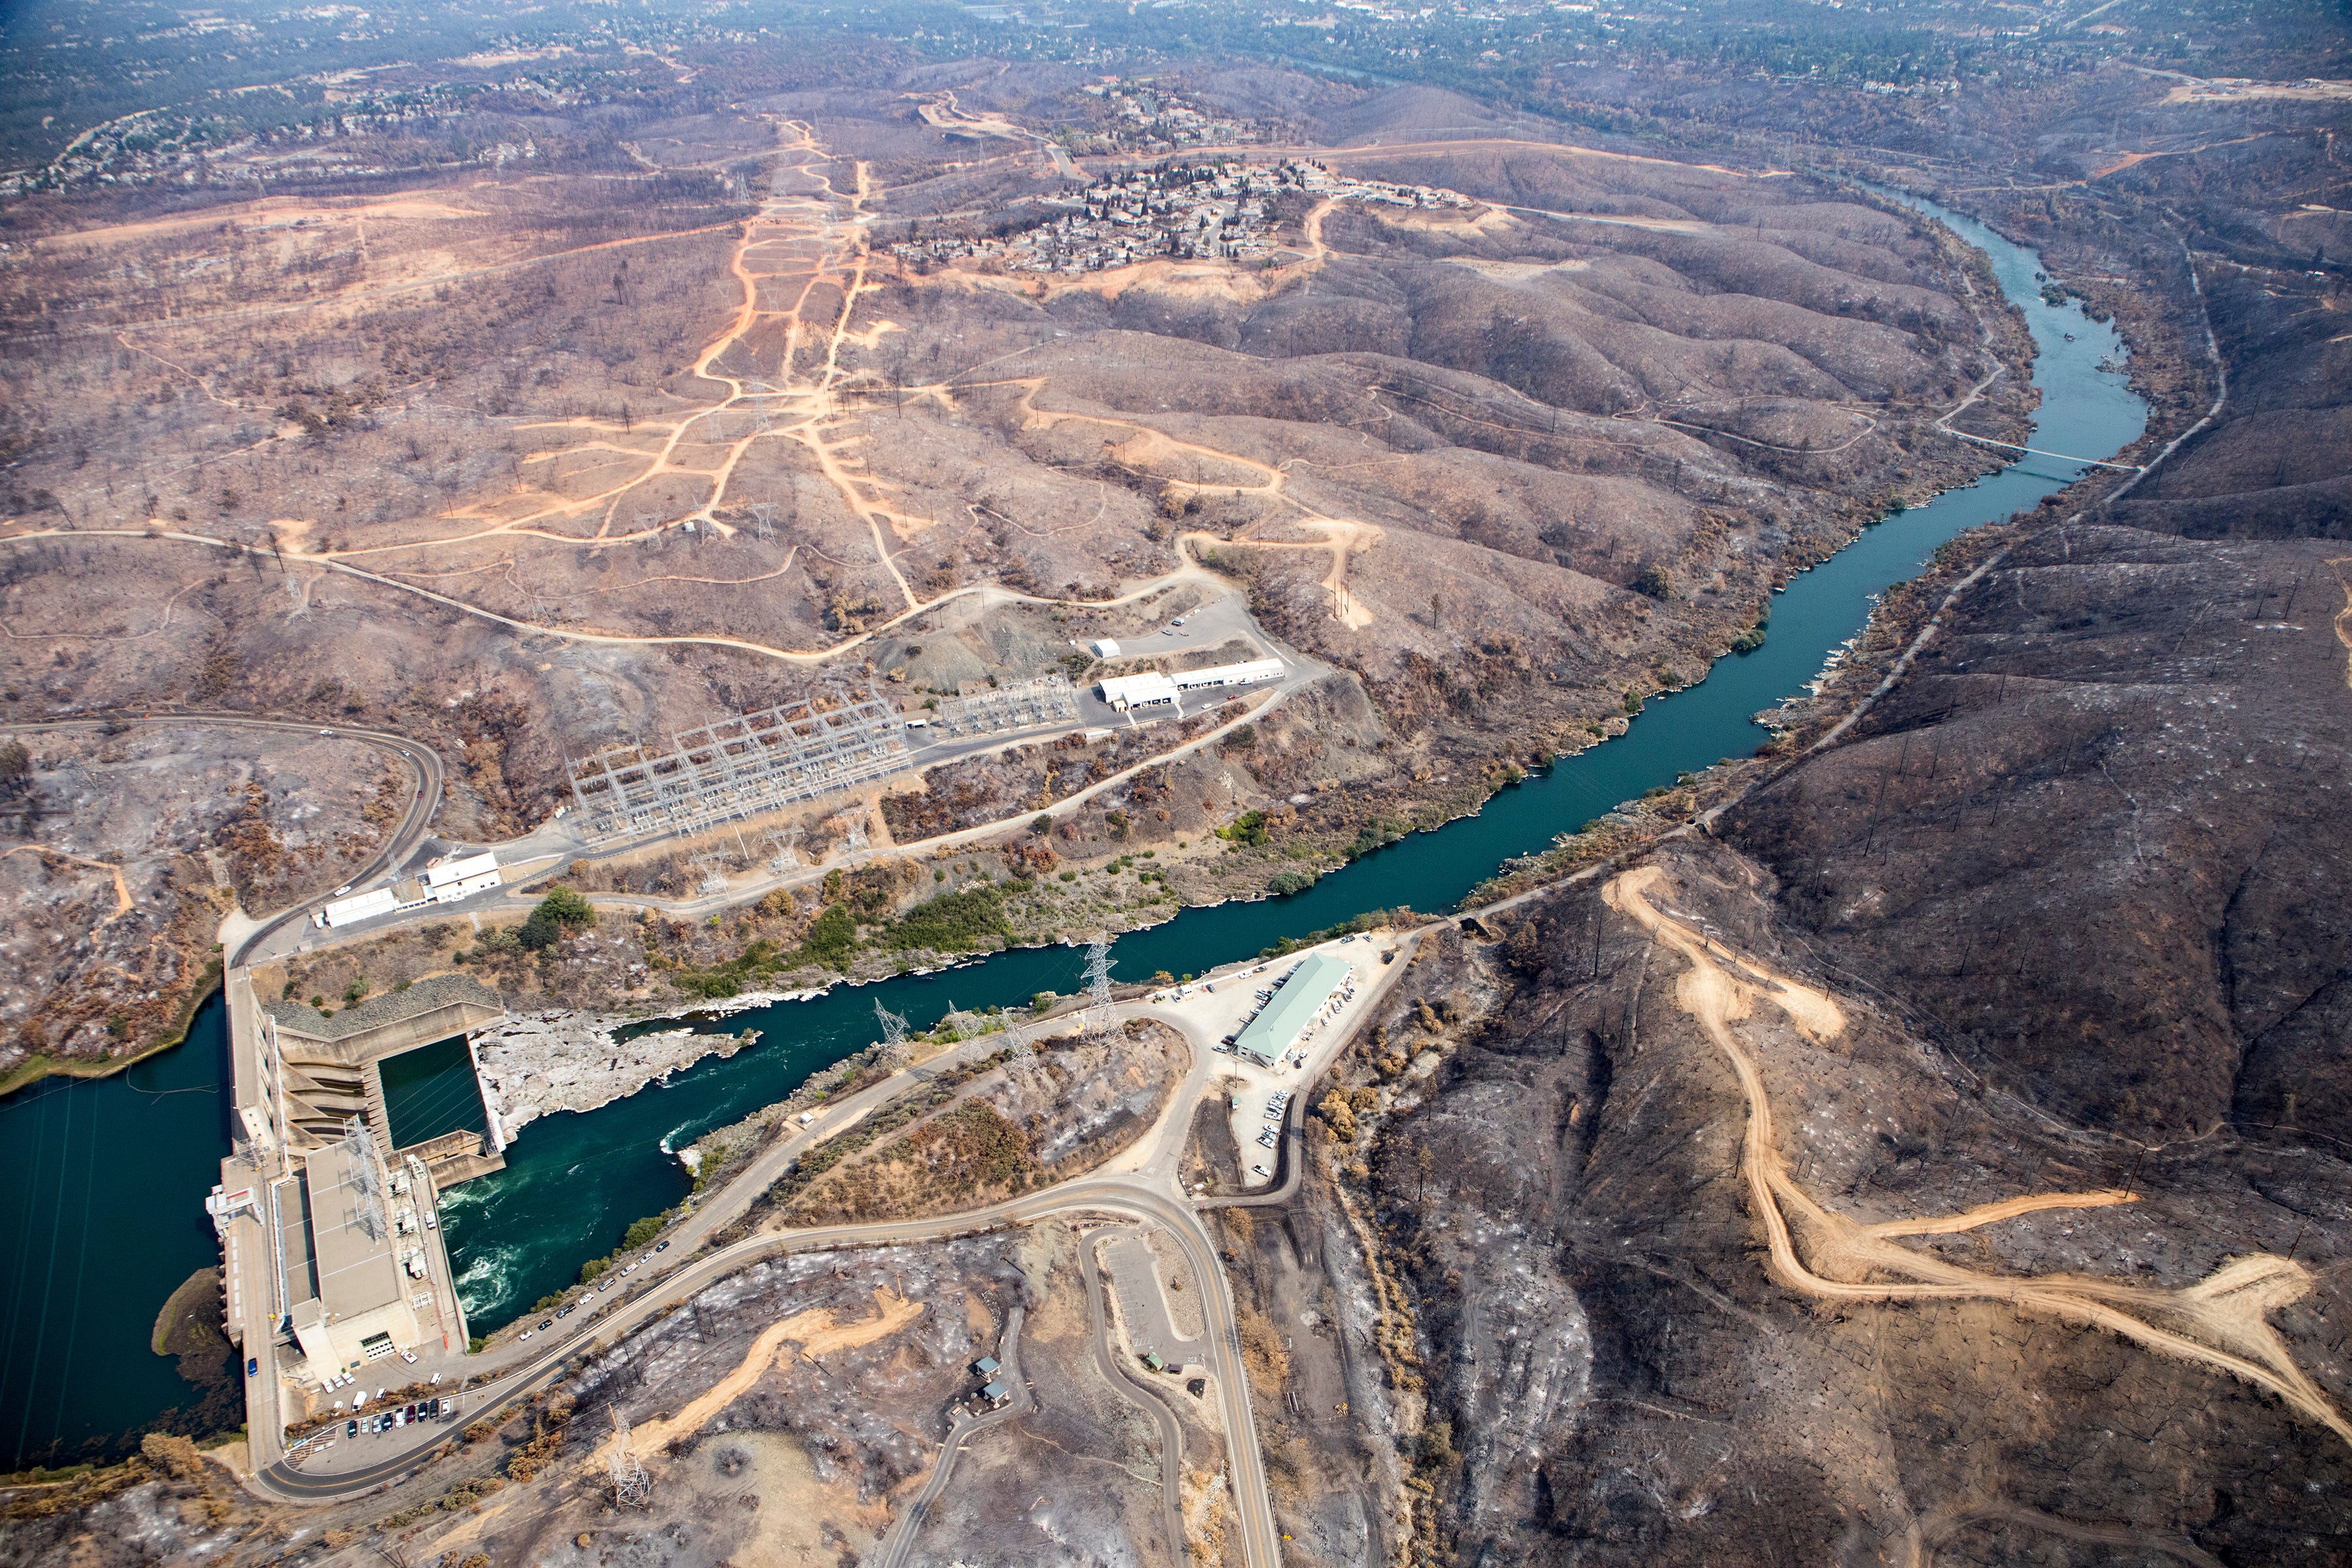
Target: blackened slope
column 2096, row 840
column 2277, row 461
column 1625, row 1384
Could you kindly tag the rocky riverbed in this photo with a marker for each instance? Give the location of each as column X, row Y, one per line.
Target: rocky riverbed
column 535, row 1063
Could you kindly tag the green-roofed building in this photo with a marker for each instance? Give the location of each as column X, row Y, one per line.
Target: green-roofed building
column 1276, row 1029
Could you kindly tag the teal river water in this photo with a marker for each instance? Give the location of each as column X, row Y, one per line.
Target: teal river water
column 101, row 1183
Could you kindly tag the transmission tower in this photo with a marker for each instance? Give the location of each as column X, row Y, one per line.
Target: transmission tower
column 786, row 845
column 894, row 1032
column 1099, row 965
column 961, row 1025
column 632, row 1487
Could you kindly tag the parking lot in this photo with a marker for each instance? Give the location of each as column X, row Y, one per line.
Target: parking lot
column 1220, row 1006
column 380, row 1422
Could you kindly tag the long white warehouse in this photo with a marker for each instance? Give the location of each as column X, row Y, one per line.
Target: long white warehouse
column 1248, row 674
column 1154, row 689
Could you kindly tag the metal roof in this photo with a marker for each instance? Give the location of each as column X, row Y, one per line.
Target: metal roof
column 1144, row 690
column 1310, row 986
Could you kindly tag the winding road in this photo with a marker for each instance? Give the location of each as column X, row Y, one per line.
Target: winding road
column 909, row 1523
column 403, row 841
column 1144, row 1190
column 1113, row 1370
column 1118, row 1196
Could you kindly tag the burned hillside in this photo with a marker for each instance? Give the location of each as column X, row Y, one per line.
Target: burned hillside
column 1626, row 1374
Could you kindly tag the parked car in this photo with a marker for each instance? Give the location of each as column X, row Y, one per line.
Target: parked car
column 252, row 1366
column 351, row 1428
column 661, row 1247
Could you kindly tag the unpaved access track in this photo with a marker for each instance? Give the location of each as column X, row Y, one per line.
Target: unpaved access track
column 2219, row 1322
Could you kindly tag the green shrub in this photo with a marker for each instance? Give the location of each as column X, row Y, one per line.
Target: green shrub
column 566, row 907
column 953, row 922
column 1290, row 883
column 830, row 937
column 641, row 1231
column 1249, row 828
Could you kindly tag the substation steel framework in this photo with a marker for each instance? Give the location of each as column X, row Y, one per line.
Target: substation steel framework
column 742, row 767
column 1016, row 705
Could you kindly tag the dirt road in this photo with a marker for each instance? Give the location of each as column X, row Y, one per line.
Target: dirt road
column 2221, row 1323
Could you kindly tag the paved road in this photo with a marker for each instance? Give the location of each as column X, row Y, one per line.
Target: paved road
column 1114, row 1369
column 397, row 849
column 1144, row 1193
column 909, row 1524
column 1289, row 1169
column 1143, row 1196
column 1219, row 620
column 1127, row 1197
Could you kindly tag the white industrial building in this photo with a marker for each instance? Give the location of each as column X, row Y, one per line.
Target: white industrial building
column 1130, row 691
column 1248, row 674
column 361, row 907
column 1153, row 689
column 444, row 884
column 1302, row 999
column 455, row 879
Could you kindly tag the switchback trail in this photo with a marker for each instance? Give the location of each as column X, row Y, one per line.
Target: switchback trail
column 2221, row 1323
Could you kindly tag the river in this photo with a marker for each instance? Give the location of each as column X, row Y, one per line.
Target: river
column 103, row 1180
